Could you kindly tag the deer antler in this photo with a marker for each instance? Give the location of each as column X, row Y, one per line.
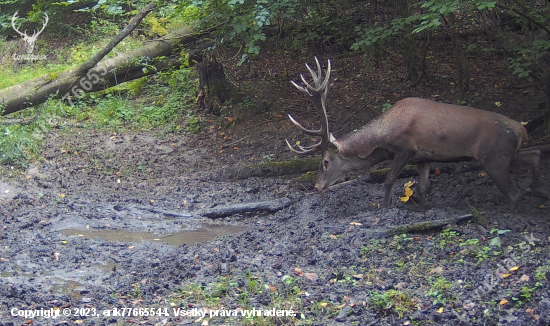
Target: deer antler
column 46, row 19
column 24, row 34
column 13, row 18
column 318, row 94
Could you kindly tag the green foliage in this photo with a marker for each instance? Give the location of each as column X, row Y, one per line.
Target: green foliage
column 392, row 300
column 447, row 237
column 114, row 111
column 244, row 23
column 525, row 294
column 371, row 36
column 17, row 145
column 441, row 290
column 244, row 20
column 525, row 57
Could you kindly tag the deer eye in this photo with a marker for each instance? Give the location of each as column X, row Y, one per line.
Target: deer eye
column 325, row 164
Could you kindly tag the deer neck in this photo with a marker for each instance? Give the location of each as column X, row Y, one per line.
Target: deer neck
column 359, row 143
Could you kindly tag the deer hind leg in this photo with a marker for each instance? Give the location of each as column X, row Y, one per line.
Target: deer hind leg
column 423, row 172
column 396, row 166
column 499, row 172
column 532, row 157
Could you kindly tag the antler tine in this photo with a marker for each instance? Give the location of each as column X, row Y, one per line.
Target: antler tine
column 306, row 131
column 13, row 18
column 308, row 86
column 301, row 88
column 303, row 150
column 325, row 84
column 45, row 23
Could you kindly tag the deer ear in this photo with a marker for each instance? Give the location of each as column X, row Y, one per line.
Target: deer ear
column 331, row 138
column 333, row 146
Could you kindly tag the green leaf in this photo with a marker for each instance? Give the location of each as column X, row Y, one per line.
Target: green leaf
column 495, row 242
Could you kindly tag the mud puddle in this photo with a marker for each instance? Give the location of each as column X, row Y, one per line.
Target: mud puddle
column 206, row 232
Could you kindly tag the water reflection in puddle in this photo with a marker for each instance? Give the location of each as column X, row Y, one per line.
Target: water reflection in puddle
column 205, row 233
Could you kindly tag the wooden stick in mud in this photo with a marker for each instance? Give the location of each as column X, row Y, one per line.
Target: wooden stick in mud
column 270, row 206
column 412, row 227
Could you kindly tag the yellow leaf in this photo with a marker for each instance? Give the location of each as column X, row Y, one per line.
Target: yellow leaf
column 506, row 275
column 323, row 304
column 503, row 302
column 513, row 269
column 409, row 184
column 408, row 194
column 498, row 104
column 440, row 310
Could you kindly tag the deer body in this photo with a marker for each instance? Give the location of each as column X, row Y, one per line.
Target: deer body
column 435, row 132
column 421, row 131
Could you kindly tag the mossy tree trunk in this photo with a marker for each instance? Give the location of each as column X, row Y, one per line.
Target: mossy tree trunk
column 214, row 89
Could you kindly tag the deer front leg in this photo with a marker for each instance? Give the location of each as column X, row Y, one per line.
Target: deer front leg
column 396, row 166
column 423, row 172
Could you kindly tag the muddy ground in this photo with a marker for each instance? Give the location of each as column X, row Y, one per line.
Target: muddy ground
column 101, row 223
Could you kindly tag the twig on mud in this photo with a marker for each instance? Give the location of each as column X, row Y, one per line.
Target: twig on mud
column 235, row 142
column 138, row 210
column 338, row 185
column 410, row 228
column 270, row 206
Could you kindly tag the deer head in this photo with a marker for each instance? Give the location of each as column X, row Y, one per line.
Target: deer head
column 332, row 166
column 29, row 39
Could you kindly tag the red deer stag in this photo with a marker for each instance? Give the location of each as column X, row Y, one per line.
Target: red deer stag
column 419, row 131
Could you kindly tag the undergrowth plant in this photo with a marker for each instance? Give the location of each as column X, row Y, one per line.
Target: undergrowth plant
column 144, row 104
column 392, row 301
column 246, row 291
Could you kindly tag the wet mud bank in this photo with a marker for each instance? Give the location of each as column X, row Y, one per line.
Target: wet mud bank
column 77, row 234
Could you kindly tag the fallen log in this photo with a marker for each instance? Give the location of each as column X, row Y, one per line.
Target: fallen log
column 423, row 226
column 269, row 206
column 94, row 75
